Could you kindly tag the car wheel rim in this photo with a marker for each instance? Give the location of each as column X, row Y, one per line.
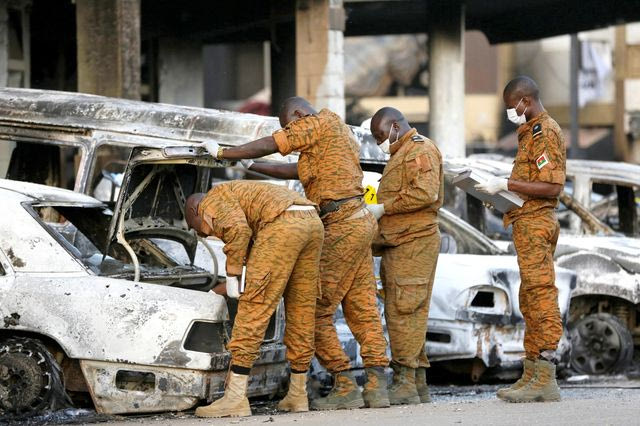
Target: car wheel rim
column 24, row 381
column 596, row 347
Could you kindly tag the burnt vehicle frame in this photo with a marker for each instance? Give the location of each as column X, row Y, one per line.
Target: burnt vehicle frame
column 598, row 216
column 165, row 373
column 85, row 123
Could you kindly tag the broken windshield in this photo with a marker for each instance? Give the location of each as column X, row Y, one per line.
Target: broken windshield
column 83, row 230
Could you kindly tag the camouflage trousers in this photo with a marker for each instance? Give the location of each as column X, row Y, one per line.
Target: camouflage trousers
column 283, row 261
column 408, row 271
column 535, row 241
column 346, row 270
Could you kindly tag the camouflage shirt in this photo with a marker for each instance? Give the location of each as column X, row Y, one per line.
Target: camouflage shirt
column 541, row 158
column 411, row 189
column 236, row 211
column 329, row 163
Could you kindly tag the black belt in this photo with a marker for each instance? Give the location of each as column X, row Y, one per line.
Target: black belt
column 334, row 205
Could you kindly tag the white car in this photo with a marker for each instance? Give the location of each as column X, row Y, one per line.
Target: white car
column 114, row 305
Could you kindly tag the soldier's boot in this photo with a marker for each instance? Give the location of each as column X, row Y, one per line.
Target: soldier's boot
column 421, row 384
column 344, row 395
column 234, row 403
column 529, row 367
column 375, row 392
column 403, row 388
column 296, row 400
column 542, row 387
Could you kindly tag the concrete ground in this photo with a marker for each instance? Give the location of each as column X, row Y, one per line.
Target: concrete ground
column 614, row 401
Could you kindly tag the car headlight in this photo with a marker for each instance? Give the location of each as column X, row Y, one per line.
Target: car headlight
column 484, row 303
column 205, row 337
column 487, row 299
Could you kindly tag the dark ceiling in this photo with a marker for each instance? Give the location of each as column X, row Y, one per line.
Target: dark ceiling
column 500, row 20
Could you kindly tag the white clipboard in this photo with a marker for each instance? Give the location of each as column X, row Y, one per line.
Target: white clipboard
column 503, row 201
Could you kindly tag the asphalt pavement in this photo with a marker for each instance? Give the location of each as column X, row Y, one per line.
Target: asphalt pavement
column 586, row 401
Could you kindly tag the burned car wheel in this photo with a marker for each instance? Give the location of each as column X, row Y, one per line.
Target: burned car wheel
column 30, row 379
column 600, row 344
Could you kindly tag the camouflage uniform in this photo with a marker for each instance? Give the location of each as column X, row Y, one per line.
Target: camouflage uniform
column 411, row 189
column 242, row 213
column 541, row 158
column 329, row 170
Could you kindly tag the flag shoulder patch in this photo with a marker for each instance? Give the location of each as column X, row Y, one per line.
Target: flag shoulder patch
column 542, row 161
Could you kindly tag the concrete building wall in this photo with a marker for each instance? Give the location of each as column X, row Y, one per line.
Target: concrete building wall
column 233, row 72
column 180, row 72
column 548, row 61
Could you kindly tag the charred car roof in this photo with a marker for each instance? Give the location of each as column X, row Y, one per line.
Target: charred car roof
column 44, row 193
column 47, row 108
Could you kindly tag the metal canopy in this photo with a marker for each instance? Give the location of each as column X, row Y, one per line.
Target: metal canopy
column 500, row 20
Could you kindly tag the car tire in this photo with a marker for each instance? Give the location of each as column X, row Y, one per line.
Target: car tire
column 30, row 379
column 600, row 344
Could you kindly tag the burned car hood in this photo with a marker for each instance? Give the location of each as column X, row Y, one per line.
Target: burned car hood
column 151, row 202
column 624, row 251
column 608, row 266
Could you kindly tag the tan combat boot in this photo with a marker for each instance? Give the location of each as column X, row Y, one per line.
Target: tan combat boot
column 528, row 368
column 234, row 403
column 375, row 392
column 296, row 400
column 403, row 388
column 542, row 387
column 344, row 395
column 421, row 384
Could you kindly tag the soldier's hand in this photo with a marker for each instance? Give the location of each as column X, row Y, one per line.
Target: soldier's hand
column 233, row 287
column 212, row 147
column 377, row 210
column 247, row 163
column 488, row 205
column 493, row 186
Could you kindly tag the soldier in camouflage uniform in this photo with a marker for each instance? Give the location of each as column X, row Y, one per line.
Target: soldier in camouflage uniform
column 253, row 219
column 410, row 194
column 329, row 170
column 538, row 177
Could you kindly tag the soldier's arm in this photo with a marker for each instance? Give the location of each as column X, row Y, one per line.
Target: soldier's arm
column 255, row 149
column 280, row 171
column 535, row 189
column 423, row 188
column 236, row 248
column 297, row 136
column 549, row 156
column 230, row 225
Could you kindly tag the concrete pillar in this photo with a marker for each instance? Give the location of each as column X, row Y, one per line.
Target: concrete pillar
column 283, row 53
column 5, row 148
column 180, row 72
column 446, row 76
column 320, row 53
column 108, row 33
column 4, row 44
column 620, row 142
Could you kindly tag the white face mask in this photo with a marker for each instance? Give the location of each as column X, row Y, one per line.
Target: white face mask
column 513, row 116
column 386, row 145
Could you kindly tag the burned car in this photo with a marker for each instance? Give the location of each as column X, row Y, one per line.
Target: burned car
column 112, row 304
column 604, row 317
column 84, row 143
